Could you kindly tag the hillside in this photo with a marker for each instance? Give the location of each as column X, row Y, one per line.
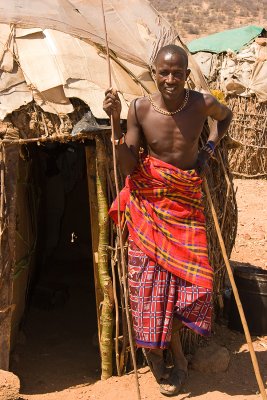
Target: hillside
column 194, row 18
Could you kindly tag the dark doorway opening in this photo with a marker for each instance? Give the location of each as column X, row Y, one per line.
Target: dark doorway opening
column 58, row 345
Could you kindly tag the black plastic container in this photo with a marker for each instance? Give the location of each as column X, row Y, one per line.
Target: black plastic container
column 252, row 287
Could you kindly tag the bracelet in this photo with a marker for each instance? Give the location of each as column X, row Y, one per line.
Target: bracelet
column 119, row 141
column 209, row 147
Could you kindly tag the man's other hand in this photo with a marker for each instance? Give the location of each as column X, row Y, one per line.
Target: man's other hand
column 112, row 103
column 202, row 161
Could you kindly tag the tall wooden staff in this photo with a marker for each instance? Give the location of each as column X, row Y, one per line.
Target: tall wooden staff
column 119, row 219
column 237, row 298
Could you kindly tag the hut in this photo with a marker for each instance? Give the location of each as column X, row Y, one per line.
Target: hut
column 235, row 63
column 57, row 179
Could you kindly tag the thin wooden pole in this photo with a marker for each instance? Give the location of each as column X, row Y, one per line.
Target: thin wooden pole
column 236, row 294
column 117, row 354
column 2, row 190
column 106, row 340
column 124, row 318
column 119, row 220
column 55, row 138
column 93, row 205
column 9, row 164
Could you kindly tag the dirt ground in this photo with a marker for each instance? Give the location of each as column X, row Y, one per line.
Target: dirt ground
column 250, row 246
column 77, row 378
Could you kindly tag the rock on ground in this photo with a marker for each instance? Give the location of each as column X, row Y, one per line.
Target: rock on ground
column 211, row 359
column 9, row 386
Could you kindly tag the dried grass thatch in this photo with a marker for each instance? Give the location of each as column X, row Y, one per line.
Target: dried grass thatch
column 248, row 155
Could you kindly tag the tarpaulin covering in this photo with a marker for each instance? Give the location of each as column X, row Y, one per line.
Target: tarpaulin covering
column 243, row 73
column 57, row 49
column 135, row 30
column 232, row 39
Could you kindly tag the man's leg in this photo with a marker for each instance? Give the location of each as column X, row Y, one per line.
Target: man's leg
column 173, row 384
column 179, row 360
column 156, row 363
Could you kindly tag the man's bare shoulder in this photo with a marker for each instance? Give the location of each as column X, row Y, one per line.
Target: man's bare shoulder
column 203, row 99
column 141, row 102
column 197, row 96
column 196, row 101
column 139, row 108
column 210, row 106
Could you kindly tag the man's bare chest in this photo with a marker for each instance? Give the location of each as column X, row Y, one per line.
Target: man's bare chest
column 186, row 127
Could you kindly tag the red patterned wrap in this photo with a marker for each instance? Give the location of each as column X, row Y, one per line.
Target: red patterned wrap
column 164, row 214
column 157, row 296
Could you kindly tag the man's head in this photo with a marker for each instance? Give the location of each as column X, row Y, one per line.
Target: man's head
column 171, row 71
column 170, row 50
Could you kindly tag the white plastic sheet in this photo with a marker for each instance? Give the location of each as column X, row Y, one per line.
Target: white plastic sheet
column 244, row 73
column 60, row 47
column 135, row 30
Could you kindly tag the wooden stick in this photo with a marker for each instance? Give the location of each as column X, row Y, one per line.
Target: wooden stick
column 90, row 155
column 229, row 188
column 117, row 354
column 3, row 220
column 124, row 318
column 132, row 75
column 119, row 220
column 237, row 298
column 57, row 138
column 2, row 183
column 237, row 174
column 105, row 280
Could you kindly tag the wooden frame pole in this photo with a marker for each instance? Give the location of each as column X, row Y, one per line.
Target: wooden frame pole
column 106, row 319
column 236, row 294
column 119, row 220
column 90, row 153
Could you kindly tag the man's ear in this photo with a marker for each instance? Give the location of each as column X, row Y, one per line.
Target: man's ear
column 188, row 71
column 153, row 72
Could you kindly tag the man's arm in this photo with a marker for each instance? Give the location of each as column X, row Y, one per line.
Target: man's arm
column 128, row 152
column 220, row 113
column 222, row 116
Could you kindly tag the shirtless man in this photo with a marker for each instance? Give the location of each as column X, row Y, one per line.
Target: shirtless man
column 170, row 123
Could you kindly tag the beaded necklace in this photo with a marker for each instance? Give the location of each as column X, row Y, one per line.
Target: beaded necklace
column 164, row 112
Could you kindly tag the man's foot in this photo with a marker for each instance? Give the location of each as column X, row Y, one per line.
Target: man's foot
column 173, row 385
column 156, row 364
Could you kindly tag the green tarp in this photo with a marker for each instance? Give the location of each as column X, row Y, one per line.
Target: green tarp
column 233, row 39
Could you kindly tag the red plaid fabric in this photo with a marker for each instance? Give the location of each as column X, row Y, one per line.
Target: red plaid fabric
column 156, row 296
column 165, row 218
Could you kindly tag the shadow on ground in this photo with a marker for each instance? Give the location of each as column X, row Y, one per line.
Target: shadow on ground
column 57, row 347
column 239, row 379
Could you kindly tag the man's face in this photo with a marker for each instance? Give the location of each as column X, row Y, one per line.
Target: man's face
column 171, row 74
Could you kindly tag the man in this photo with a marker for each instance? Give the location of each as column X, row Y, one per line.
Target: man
column 170, row 279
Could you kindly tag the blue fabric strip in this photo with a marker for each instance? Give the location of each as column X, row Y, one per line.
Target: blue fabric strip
column 193, row 326
column 152, row 345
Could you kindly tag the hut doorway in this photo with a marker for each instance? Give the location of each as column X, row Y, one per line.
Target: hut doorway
column 58, row 342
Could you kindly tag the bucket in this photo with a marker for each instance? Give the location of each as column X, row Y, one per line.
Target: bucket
column 251, row 283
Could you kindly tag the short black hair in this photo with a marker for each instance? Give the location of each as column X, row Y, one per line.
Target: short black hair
column 172, row 49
